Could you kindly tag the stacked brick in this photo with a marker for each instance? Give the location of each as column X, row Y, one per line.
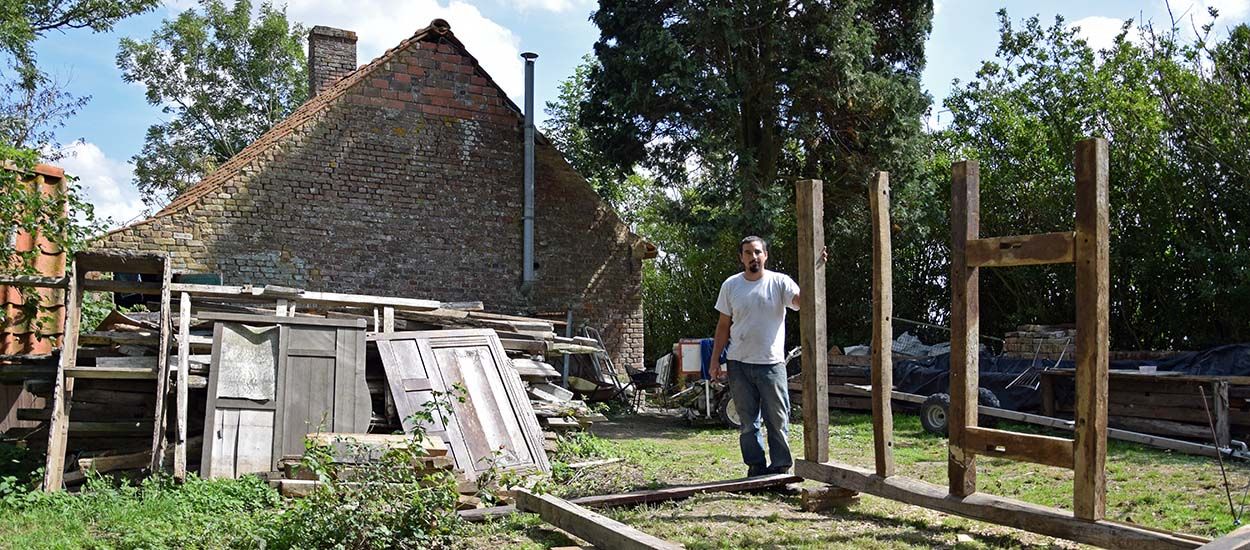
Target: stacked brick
column 1041, row 341
column 404, row 178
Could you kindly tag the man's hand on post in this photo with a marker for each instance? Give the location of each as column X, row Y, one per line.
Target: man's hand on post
column 824, row 254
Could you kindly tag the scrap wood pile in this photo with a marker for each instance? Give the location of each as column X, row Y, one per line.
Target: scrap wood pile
column 262, row 375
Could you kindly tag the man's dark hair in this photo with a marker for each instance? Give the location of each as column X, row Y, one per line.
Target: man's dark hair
column 753, row 239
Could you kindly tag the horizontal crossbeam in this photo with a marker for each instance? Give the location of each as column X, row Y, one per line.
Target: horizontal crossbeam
column 1040, row 249
column 998, row 510
column 1039, row 449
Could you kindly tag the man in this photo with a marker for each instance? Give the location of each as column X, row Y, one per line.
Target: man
column 752, row 307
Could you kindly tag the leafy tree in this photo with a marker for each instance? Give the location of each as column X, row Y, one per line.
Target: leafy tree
column 748, row 91
column 725, row 104
column 1173, row 110
column 32, row 104
column 225, row 78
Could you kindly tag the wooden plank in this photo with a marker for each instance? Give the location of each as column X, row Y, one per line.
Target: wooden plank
column 122, row 287
column 37, row 281
column 647, row 496
column 599, row 530
column 111, row 373
column 275, row 320
column 388, row 319
column 1039, row 449
column 180, row 397
column 318, row 298
column 1219, row 412
column 162, row 367
column 1040, row 249
column 998, row 510
column 1093, row 260
column 882, row 326
column 809, row 212
column 63, row 387
column 1047, row 386
column 965, row 325
column 1236, row 540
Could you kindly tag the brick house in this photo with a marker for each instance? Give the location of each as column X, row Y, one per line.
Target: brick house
column 404, row 177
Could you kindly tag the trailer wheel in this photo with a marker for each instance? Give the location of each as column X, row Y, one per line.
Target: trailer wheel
column 727, row 412
column 935, row 408
column 933, row 413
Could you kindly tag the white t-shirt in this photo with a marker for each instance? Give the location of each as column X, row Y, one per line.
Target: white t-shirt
column 758, row 311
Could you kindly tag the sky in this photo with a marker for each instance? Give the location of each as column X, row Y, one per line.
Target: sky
column 103, row 136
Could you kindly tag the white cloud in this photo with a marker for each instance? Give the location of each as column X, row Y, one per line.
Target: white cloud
column 557, row 6
column 1100, row 32
column 381, row 24
column 105, row 182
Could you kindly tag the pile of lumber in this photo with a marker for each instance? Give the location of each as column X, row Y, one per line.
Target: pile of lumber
column 1166, row 404
column 554, row 405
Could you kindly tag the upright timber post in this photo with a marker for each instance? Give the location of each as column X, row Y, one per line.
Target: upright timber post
column 1093, row 276
column 965, row 325
column 162, row 371
column 184, row 371
column 882, row 330
column 63, row 387
column 810, row 210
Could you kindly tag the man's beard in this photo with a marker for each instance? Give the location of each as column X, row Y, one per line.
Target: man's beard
column 754, row 267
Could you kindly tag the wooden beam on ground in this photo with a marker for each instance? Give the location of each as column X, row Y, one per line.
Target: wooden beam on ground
column 63, row 387
column 180, row 397
column 1236, row 540
column 810, row 208
column 1040, row 249
column 882, row 325
column 162, row 370
column 653, row 495
column 965, row 325
column 599, row 530
column 998, row 510
column 1093, row 267
column 1039, row 449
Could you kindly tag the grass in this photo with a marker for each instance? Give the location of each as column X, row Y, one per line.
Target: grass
column 1145, row 486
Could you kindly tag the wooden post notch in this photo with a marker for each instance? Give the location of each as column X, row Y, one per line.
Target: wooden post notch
column 810, row 211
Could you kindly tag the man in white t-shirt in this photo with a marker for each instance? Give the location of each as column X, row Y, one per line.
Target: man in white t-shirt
column 752, row 307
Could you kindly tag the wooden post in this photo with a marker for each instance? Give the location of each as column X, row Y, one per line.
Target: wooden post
column 1047, row 386
column 388, row 319
column 1092, row 318
column 882, row 329
column 1219, row 412
column 281, row 309
column 965, row 325
column 184, row 366
column 162, row 371
column 63, row 388
column 810, row 208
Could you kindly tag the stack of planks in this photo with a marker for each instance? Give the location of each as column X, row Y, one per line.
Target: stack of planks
column 843, row 370
column 1041, row 341
column 555, row 406
column 1166, row 404
column 112, row 403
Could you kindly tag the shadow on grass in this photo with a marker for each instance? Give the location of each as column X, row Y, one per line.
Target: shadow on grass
column 654, row 427
column 873, row 527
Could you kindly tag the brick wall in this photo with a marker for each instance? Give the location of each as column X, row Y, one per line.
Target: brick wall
column 410, row 184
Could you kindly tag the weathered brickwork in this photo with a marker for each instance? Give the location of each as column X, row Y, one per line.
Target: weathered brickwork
column 408, row 182
column 331, row 56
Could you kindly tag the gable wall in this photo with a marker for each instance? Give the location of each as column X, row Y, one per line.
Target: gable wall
column 411, row 185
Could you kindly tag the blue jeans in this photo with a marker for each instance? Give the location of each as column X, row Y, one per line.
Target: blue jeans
column 760, row 393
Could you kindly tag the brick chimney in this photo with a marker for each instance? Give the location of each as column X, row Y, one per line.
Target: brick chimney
column 331, row 55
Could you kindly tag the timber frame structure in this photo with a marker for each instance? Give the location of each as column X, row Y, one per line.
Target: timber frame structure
column 1088, row 248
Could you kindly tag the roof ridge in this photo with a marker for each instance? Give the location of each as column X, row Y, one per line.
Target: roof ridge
column 310, row 108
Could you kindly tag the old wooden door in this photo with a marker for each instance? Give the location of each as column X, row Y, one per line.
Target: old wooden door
column 274, row 380
column 493, row 424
